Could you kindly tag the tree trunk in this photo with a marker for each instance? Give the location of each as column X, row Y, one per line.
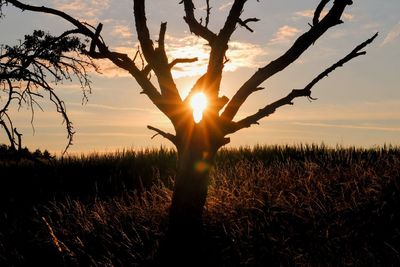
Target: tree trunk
column 184, row 243
column 190, row 191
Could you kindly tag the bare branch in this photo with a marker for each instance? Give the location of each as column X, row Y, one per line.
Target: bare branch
column 305, row 92
column 208, row 10
column 161, row 38
column 231, row 21
column 243, row 23
column 355, row 53
column 19, row 136
column 158, row 61
column 30, row 63
column 10, row 94
column 297, row 49
column 218, row 50
column 182, row 60
column 95, row 37
column 319, row 10
column 119, row 59
column 222, row 101
column 146, row 70
column 194, row 26
column 143, row 32
column 168, row 136
column 9, row 133
column 82, row 28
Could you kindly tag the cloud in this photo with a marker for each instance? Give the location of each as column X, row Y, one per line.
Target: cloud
column 244, row 55
column 122, row 31
column 188, row 47
column 393, row 35
column 350, row 126
column 284, row 35
column 309, row 13
column 86, row 9
column 240, row 55
column 112, row 108
column 225, row 6
column 362, row 111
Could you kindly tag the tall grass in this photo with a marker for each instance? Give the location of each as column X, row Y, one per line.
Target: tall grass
column 275, row 206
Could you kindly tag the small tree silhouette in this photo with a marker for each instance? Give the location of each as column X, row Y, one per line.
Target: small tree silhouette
column 29, row 70
column 198, row 142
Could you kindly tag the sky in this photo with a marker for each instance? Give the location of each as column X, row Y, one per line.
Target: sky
column 358, row 105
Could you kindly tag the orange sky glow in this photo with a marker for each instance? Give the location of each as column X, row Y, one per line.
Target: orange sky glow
column 358, row 104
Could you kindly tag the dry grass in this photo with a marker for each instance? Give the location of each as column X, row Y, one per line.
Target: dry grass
column 276, row 206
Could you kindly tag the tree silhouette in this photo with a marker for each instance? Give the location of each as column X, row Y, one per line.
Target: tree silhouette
column 198, row 142
column 32, row 68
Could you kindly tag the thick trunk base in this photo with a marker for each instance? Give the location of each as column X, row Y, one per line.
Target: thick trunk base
column 184, row 244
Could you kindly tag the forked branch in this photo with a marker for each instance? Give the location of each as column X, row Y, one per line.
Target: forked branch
column 157, row 59
column 194, row 25
column 298, row 48
column 319, row 10
column 305, row 92
column 119, row 59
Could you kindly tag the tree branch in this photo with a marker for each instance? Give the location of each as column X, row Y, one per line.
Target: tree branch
column 298, row 48
column 96, row 37
column 218, row 53
column 42, row 9
column 119, row 59
column 208, row 10
column 230, row 23
column 143, row 32
column 194, row 26
column 9, row 134
column 158, row 61
column 182, row 60
column 319, row 10
column 243, row 23
column 168, row 136
column 305, row 92
column 161, row 38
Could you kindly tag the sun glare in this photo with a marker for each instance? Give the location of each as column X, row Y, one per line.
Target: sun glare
column 198, row 103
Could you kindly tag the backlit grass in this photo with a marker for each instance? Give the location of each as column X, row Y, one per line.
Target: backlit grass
column 275, row 206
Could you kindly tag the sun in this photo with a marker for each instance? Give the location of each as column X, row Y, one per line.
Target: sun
column 198, row 103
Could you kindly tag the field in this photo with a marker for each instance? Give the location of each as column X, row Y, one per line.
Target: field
column 267, row 206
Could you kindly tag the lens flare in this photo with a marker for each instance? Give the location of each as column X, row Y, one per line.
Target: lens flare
column 198, row 103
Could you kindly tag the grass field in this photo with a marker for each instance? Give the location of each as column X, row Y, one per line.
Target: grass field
column 267, row 206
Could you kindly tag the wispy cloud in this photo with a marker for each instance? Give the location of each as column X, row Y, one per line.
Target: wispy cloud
column 244, row 55
column 225, row 6
column 350, row 126
column 309, row 13
column 284, row 35
column 188, row 47
column 122, row 31
column 114, row 134
column 86, row 9
column 393, row 35
column 240, row 55
column 113, row 108
column 362, row 111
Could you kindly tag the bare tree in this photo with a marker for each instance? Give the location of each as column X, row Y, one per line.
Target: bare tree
column 30, row 70
column 198, row 141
